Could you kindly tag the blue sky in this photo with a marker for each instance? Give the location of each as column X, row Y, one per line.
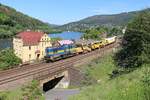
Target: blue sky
column 64, row 11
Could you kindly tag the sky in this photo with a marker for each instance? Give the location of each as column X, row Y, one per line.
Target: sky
column 64, row 11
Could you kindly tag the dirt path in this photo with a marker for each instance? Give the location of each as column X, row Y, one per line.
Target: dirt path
column 60, row 94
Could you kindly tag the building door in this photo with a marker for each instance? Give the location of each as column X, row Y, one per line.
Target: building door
column 38, row 56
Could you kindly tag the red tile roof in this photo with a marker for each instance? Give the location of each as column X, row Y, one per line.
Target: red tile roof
column 30, row 38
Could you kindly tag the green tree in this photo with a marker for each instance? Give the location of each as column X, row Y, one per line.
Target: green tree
column 115, row 31
column 8, row 59
column 94, row 33
column 136, row 42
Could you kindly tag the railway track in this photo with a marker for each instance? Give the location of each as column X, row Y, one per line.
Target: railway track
column 40, row 69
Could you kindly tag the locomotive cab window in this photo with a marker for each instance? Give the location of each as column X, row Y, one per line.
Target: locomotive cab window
column 55, row 50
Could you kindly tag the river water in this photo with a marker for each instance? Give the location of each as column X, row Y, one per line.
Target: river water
column 67, row 35
column 7, row 43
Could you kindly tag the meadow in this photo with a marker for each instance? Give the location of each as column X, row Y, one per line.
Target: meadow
column 129, row 86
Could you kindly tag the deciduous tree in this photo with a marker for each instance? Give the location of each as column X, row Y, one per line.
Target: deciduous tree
column 136, row 42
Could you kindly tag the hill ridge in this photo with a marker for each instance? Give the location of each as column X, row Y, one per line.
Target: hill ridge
column 107, row 20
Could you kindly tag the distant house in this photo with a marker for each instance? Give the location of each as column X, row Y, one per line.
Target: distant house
column 65, row 42
column 62, row 42
column 30, row 46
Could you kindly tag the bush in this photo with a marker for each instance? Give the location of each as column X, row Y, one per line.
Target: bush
column 27, row 92
column 4, row 95
column 8, row 59
column 32, row 91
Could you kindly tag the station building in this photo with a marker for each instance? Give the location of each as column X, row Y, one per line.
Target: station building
column 30, row 46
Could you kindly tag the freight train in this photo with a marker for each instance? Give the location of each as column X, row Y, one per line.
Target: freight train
column 78, row 47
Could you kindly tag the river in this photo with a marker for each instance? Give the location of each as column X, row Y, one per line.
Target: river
column 5, row 43
column 67, row 35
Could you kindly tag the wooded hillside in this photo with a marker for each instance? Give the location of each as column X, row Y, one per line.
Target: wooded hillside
column 12, row 21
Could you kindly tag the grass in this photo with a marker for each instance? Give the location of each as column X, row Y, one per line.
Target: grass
column 29, row 91
column 11, row 95
column 125, row 87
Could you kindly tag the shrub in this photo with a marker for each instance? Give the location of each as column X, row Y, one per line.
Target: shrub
column 8, row 59
column 32, row 91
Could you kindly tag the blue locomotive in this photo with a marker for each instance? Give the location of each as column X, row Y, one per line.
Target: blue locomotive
column 56, row 53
